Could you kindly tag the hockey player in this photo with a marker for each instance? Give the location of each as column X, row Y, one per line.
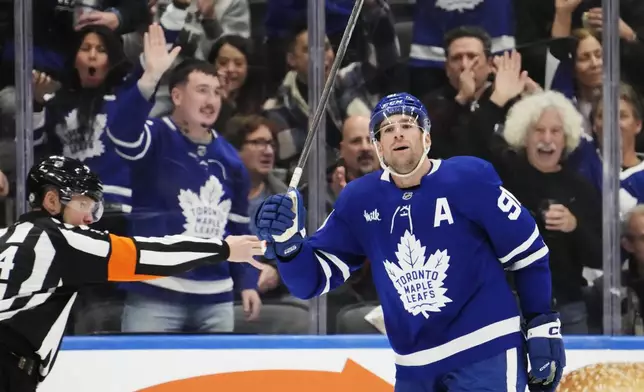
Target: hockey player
column 50, row 253
column 440, row 235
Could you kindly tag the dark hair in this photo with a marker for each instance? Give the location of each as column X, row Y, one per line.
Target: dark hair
column 89, row 102
column 627, row 94
column 294, row 33
column 468, row 32
column 252, row 93
column 181, row 73
column 239, row 127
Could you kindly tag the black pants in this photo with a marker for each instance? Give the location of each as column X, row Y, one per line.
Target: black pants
column 14, row 379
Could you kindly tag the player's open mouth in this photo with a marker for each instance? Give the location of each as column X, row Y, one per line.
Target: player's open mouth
column 400, row 148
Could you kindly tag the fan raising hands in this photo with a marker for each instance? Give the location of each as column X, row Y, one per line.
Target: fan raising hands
column 157, row 59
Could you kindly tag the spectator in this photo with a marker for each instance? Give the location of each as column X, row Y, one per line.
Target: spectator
column 630, row 125
column 351, row 94
column 280, row 18
column 540, row 131
column 253, row 137
column 54, row 31
column 244, row 83
column 87, row 101
column 470, row 99
column 433, row 19
column 633, row 244
column 198, row 187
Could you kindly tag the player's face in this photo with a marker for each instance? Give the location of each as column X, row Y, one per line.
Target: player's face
column 589, row 63
column 546, row 141
column 80, row 211
column 629, row 125
column 199, row 100
column 258, row 152
column 92, row 62
column 233, row 66
column 298, row 57
column 401, row 142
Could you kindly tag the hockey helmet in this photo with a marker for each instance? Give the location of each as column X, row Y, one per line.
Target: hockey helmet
column 399, row 103
column 69, row 177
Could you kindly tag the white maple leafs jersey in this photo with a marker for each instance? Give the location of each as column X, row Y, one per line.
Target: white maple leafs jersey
column 438, row 255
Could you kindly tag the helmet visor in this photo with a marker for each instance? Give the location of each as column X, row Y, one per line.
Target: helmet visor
column 85, row 205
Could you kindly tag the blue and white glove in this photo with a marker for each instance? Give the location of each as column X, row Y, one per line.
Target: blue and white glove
column 280, row 221
column 546, row 352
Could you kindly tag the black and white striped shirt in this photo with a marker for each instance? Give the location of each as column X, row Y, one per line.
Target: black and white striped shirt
column 43, row 262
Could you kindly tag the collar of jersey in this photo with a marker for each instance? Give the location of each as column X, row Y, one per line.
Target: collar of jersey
column 385, row 176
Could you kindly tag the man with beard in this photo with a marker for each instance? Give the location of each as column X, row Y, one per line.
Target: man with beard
column 186, row 179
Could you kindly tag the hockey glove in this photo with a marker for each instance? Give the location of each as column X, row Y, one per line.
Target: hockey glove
column 280, row 222
column 546, row 352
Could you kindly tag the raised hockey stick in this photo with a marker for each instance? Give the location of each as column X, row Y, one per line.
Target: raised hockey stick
column 317, row 116
column 321, row 108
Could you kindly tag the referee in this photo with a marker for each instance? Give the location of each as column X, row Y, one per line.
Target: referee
column 50, row 253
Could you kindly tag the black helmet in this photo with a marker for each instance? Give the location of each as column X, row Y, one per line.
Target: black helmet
column 67, row 175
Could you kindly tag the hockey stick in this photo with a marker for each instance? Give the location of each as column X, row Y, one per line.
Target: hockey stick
column 317, row 117
column 321, row 108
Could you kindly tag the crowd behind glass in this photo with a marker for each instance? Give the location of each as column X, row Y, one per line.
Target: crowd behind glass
column 515, row 82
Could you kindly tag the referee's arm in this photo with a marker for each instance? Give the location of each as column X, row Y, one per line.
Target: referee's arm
column 89, row 256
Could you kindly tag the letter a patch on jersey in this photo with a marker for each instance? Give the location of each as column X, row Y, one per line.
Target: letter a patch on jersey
column 419, row 281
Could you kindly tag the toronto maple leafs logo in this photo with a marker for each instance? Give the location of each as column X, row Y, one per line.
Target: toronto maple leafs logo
column 419, row 281
column 458, row 5
column 76, row 143
column 206, row 213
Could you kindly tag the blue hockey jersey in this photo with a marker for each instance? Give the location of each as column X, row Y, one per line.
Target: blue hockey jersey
column 181, row 187
column 98, row 152
column 434, row 18
column 631, row 191
column 438, row 255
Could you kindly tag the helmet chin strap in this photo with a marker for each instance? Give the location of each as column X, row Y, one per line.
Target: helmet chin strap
column 392, row 172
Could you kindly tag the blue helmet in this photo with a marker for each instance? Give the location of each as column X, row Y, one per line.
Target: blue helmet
column 399, row 103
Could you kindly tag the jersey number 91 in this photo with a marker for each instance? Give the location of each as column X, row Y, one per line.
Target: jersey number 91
column 509, row 204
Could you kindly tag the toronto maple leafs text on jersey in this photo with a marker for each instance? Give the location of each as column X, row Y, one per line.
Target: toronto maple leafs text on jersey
column 196, row 189
column 43, row 262
column 58, row 123
column 438, row 256
column 434, row 18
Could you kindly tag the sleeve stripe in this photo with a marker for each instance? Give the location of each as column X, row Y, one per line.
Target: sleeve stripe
column 86, row 243
column 124, row 144
column 170, row 259
column 521, row 248
column 327, row 272
column 176, row 239
column 529, row 259
column 148, row 141
column 238, row 218
column 121, row 266
column 341, row 265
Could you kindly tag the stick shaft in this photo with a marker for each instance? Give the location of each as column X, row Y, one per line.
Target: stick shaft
column 328, row 85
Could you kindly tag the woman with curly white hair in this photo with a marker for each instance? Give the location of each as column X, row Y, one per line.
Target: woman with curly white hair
column 540, row 131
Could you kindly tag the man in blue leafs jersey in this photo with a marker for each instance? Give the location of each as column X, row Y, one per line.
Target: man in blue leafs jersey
column 440, row 235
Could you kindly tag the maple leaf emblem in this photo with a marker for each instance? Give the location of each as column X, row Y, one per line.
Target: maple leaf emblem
column 419, row 281
column 75, row 144
column 206, row 213
column 458, row 5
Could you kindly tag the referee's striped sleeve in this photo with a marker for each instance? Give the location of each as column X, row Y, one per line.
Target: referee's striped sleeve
column 127, row 259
